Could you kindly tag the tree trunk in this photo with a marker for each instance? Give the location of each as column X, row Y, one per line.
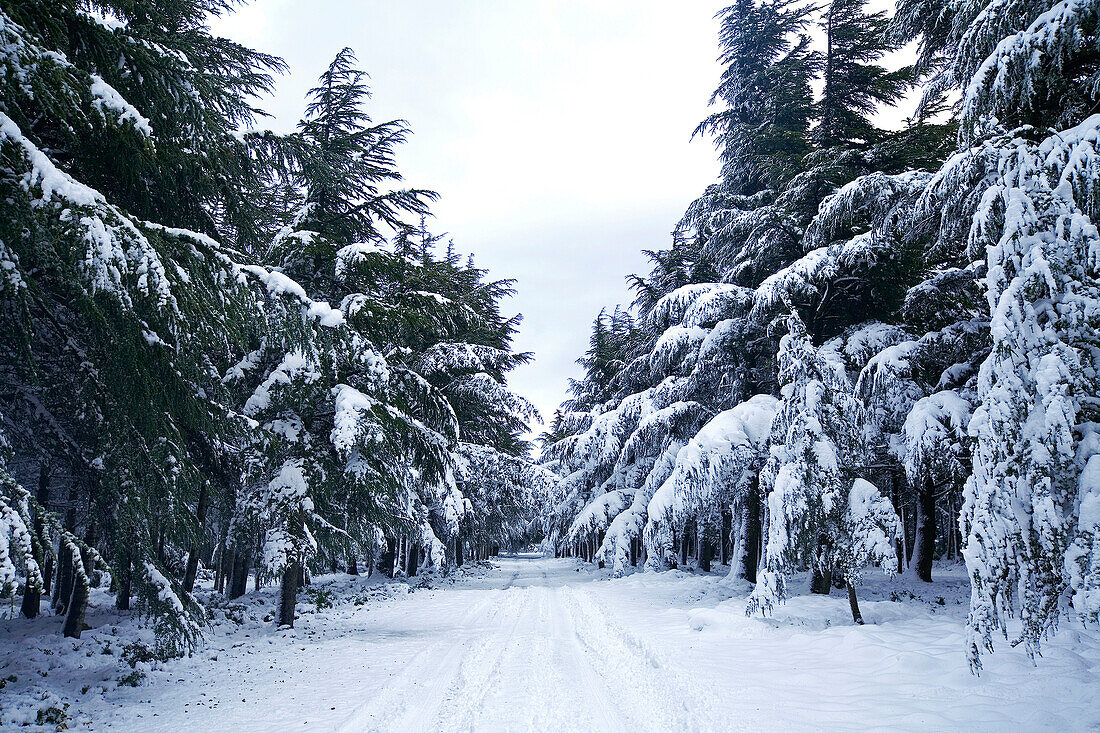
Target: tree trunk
column 856, row 616
column 895, row 499
column 291, row 575
column 925, row 542
column 125, row 580
column 387, row 564
column 238, row 579
column 196, row 545
column 822, row 582
column 753, row 535
column 32, row 596
column 458, row 551
column 32, row 599
column 78, row 603
column 43, row 555
column 43, row 496
column 64, row 588
column 353, row 564
column 725, row 540
column 91, row 538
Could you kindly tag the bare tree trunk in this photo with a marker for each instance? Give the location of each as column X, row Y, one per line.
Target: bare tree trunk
column 753, row 532
column 388, row 561
column 196, row 545
column 925, row 541
column 125, row 580
column 895, row 499
column 91, row 539
column 822, row 582
column 78, row 603
column 414, row 559
column 856, row 616
column 238, row 579
column 353, row 564
column 288, row 597
column 458, row 550
column 44, row 500
column 725, row 540
column 64, row 588
column 43, row 555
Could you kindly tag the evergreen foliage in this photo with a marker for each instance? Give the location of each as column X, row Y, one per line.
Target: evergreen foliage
column 938, row 286
column 219, row 348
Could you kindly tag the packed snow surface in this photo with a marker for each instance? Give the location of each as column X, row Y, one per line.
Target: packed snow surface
column 548, row 645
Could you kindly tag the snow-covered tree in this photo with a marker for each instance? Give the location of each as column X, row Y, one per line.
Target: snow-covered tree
column 819, row 514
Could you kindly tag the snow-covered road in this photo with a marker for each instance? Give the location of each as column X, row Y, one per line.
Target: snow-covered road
column 538, row 644
column 527, row 650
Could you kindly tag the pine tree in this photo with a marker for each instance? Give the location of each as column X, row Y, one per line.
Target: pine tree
column 854, row 86
column 813, row 518
column 761, row 135
column 119, row 325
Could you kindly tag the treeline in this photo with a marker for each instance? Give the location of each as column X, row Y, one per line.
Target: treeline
column 867, row 346
column 224, row 348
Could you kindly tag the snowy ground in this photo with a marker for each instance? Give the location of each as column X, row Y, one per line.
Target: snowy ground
column 538, row 644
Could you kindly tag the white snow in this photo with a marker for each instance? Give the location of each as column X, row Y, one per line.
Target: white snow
column 541, row 644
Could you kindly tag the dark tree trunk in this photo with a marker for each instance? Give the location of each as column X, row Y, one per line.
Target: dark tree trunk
column 856, row 616
column 458, row 551
column 196, row 545
column 895, row 499
column 353, row 564
column 238, row 580
column 43, row 496
column 91, row 538
column 32, row 600
column 47, row 570
column 924, row 544
column 291, row 575
column 64, row 588
column 684, row 542
column 634, row 552
column 726, row 541
column 414, row 559
column 125, row 580
column 32, row 596
column 219, row 568
column 387, row 564
column 822, row 582
column 752, row 536
column 43, row 555
column 705, row 553
column 78, row 604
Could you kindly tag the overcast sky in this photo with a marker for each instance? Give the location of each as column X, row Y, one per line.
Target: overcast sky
column 557, row 133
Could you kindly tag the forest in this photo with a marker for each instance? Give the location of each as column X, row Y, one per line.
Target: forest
column 235, row 361
column 230, row 349
column 864, row 346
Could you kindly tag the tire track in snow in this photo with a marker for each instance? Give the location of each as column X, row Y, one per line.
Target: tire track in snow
column 652, row 690
column 426, row 676
column 481, row 672
column 592, row 684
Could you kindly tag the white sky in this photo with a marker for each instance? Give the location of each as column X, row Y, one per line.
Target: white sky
column 556, row 132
